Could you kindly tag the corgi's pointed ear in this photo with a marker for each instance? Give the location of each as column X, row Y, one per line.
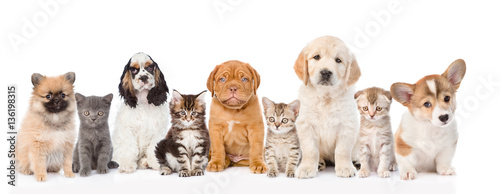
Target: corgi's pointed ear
column 402, row 92
column 455, row 73
column 301, row 67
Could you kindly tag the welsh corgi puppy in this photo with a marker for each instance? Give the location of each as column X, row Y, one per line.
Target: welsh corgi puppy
column 427, row 135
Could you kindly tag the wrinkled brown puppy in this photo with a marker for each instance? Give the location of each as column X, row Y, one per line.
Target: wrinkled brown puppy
column 236, row 127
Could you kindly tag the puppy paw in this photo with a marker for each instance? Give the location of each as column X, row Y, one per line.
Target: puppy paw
column 113, row 164
column 69, row 174
column 258, row 167
column 197, row 172
column 345, row 172
column 363, row 173
column 305, row 172
column 384, row 174
column 408, row 175
column 26, row 171
column 272, row 173
column 290, row 174
column 393, row 167
column 85, row 172
column 321, row 164
column 215, row 166
column 127, row 168
column 143, row 163
column 446, row 171
column 153, row 164
column 41, row 177
column 165, row 170
column 102, row 170
column 184, row 173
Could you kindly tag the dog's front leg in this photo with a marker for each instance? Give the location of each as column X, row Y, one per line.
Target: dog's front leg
column 309, row 143
column 217, row 150
column 150, row 154
column 343, row 150
column 443, row 160
column 256, row 140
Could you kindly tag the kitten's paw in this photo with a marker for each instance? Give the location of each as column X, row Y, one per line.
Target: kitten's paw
column 102, row 170
column 197, row 172
column 363, row 173
column 356, row 164
column 305, row 172
column 321, row 164
column 113, row 164
column 345, row 172
column 258, row 167
column 215, row 166
column 446, row 171
column 69, row 174
column 384, row 174
column 41, row 177
column 165, row 170
column 407, row 175
column 272, row 173
column 85, row 172
column 184, row 173
column 393, row 166
column 290, row 174
column 127, row 168
column 75, row 168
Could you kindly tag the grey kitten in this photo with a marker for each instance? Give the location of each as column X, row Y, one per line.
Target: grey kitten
column 376, row 139
column 282, row 152
column 93, row 149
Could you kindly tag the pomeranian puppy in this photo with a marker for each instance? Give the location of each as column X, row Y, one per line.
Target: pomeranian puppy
column 47, row 133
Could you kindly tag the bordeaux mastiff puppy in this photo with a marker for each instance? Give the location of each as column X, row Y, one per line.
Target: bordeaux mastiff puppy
column 236, row 127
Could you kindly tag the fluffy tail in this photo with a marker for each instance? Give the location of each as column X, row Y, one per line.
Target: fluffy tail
column 160, row 152
column 113, row 164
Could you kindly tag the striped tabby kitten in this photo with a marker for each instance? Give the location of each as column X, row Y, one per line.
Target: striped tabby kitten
column 376, row 141
column 282, row 144
column 185, row 149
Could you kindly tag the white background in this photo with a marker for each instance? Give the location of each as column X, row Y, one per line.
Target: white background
column 394, row 41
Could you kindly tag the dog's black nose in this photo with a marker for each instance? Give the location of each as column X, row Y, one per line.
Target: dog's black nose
column 443, row 118
column 325, row 74
column 144, row 78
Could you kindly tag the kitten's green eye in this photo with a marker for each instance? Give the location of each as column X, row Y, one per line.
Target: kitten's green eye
column 284, row 121
column 379, row 108
column 271, row 119
column 194, row 113
column 86, row 113
column 100, row 113
column 365, row 108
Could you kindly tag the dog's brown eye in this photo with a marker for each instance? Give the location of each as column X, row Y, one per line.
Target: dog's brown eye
column 100, row 113
column 86, row 113
column 244, row 79
column 379, row 108
column 271, row 119
column 446, row 99
column 427, row 104
column 338, row 60
column 63, row 95
column 317, row 57
column 365, row 108
column 49, row 96
column 284, row 121
column 222, row 79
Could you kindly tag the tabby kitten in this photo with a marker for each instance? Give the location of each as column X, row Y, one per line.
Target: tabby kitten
column 282, row 152
column 376, row 140
column 185, row 148
column 93, row 149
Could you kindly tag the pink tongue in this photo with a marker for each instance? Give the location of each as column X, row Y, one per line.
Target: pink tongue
column 236, row 158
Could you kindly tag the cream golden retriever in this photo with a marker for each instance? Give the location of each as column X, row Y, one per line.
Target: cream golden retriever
column 328, row 124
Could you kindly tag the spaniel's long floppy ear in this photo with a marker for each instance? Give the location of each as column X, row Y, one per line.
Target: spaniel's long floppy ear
column 353, row 72
column 301, row 67
column 158, row 94
column 256, row 78
column 211, row 80
column 455, row 73
column 126, row 88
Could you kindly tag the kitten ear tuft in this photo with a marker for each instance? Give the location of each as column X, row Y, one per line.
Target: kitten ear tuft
column 387, row 95
column 70, row 76
column 108, row 98
column 200, row 98
column 36, row 78
column 358, row 94
column 266, row 103
column 79, row 97
column 295, row 107
column 176, row 96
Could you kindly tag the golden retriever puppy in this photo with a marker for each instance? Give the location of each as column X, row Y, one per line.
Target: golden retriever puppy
column 236, row 126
